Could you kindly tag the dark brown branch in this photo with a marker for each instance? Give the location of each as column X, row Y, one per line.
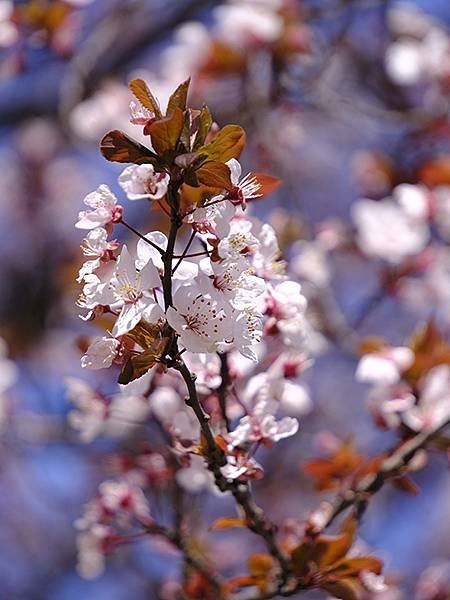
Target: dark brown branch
column 191, row 558
column 391, row 467
column 222, row 390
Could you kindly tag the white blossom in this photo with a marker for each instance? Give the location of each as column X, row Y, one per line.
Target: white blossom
column 91, row 546
column 142, row 181
column 96, row 246
column 433, row 407
column 243, row 24
column 385, row 366
column 261, row 425
column 386, row 231
column 100, row 354
column 245, row 189
column 133, row 293
column 198, row 320
column 213, row 218
column 105, row 209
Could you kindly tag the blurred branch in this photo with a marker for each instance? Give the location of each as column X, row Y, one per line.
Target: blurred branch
column 107, row 50
column 398, row 459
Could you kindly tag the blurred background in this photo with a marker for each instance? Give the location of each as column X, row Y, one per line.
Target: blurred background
column 341, row 99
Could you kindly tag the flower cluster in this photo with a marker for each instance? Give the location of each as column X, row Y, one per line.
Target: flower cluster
column 212, row 298
column 409, row 386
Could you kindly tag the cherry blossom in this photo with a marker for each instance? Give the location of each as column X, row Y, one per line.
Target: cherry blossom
column 421, row 52
column 142, row 181
column 386, row 231
column 199, row 320
column 8, row 369
column 92, row 545
column 117, row 496
column 240, row 466
column 244, row 189
column 247, row 23
column 388, row 403
column 232, row 280
column 385, row 366
column 105, row 209
column 214, row 217
column 139, row 115
column 97, row 415
column 100, row 354
column 195, row 477
column 132, row 291
column 261, row 426
column 91, row 411
column 96, row 245
column 433, row 406
column 238, row 242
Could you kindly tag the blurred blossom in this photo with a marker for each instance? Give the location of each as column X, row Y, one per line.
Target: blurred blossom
column 434, row 582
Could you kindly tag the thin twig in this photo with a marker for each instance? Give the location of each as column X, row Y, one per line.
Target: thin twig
column 142, row 237
column 184, row 253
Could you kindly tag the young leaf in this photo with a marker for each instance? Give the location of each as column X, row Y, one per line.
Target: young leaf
column 268, row 183
column 346, row 589
column 300, row 557
column 228, row 522
column 352, row 567
column 205, row 122
column 330, row 548
column 139, row 364
column 145, row 97
column 116, row 146
column 166, row 132
column 227, row 144
column 215, row 174
column 179, row 98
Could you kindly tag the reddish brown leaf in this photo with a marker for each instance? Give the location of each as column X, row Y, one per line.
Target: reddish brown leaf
column 116, row 146
column 346, row 589
column 328, row 473
column 228, row 143
column 205, row 122
column 330, row 548
column 436, row 172
column 406, row 484
column 228, row 523
column 300, row 557
column 430, row 349
column 214, row 174
column 268, row 183
column 371, row 343
column 260, row 564
column 179, row 97
column 235, row 583
column 145, row 97
column 166, row 132
column 352, row 567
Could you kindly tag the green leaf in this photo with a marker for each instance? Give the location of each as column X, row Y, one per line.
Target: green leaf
column 179, row 98
column 227, row 144
column 116, row 146
column 215, row 174
column 166, row 132
column 142, row 92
